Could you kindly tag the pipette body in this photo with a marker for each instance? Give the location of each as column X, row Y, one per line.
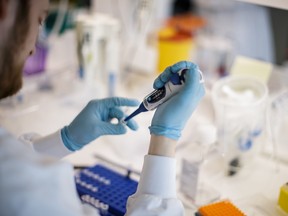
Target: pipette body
column 159, row 96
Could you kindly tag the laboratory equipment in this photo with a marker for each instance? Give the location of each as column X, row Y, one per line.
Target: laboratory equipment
column 177, row 35
column 170, row 39
column 240, row 109
column 283, row 198
column 159, row 96
column 259, row 204
column 105, row 189
column 36, row 63
column 221, row 208
column 98, row 52
column 137, row 19
column 278, row 119
column 199, row 166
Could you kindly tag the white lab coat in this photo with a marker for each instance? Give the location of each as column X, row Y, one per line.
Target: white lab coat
column 32, row 184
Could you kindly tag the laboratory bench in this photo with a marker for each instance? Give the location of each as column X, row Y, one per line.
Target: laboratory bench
column 254, row 188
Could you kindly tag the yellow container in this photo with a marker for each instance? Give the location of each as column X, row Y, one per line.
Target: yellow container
column 283, row 198
column 173, row 46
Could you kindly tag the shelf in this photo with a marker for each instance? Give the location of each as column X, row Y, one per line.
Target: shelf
column 282, row 4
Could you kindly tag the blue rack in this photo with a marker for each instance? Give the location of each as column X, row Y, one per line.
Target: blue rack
column 105, row 189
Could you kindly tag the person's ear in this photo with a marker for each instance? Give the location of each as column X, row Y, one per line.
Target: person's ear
column 3, row 8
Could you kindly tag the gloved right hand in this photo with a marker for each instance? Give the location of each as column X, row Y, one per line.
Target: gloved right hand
column 171, row 116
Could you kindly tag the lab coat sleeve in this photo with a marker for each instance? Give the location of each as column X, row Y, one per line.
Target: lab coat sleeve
column 156, row 192
column 33, row 184
column 51, row 145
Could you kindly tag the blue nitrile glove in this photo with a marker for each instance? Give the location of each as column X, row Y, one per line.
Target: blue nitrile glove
column 171, row 116
column 95, row 120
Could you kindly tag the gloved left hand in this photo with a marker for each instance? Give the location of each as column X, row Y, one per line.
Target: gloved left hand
column 95, row 120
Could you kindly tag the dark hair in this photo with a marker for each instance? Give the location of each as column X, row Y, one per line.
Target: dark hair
column 22, row 21
column 10, row 70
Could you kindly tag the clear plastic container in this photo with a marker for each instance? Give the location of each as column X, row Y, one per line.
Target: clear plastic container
column 240, row 108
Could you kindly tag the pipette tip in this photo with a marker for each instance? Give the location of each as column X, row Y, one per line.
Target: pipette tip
column 123, row 121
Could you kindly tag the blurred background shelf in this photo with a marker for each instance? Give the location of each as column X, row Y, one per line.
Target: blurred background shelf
column 281, row 4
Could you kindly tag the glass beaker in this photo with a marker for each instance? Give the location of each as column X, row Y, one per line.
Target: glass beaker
column 240, row 108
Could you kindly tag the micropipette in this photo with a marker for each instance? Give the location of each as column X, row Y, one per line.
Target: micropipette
column 159, row 96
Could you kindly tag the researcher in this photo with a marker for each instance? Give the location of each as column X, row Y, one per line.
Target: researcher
column 34, row 182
